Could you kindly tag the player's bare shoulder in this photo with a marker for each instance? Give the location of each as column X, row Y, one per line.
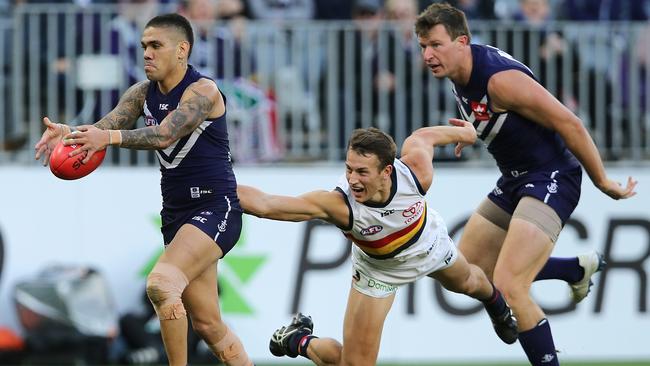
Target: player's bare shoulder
column 205, row 95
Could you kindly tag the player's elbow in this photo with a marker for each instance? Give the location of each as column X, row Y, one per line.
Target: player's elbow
column 573, row 130
column 163, row 137
column 164, row 143
column 426, row 136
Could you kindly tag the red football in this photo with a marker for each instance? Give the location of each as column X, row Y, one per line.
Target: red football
column 66, row 167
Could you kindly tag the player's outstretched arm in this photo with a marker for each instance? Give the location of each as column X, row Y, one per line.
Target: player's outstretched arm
column 53, row 133
column 313, row 205
column 418, row 148
column 515, row 91
column 123, row 116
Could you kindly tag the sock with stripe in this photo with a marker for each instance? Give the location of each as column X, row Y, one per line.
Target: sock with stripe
column 538, row 345
column 496, row 304
column 303, row 345
column 299, row 341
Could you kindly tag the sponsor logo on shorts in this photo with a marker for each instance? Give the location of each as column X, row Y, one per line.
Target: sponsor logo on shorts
column 552, row 187
column 196, row 192
column 200, row 219
column 449, row 257
column 222, row 226
column 381, row 286
column 374, row 229
column 206, row 213
column 518, row 173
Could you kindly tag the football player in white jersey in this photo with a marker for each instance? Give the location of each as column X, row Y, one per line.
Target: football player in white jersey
column 380, row 206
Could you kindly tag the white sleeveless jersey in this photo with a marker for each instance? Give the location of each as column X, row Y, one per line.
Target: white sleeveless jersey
column 401, row 226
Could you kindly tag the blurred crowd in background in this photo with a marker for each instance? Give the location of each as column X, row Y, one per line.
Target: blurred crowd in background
column 287, row 10
column 339, row 64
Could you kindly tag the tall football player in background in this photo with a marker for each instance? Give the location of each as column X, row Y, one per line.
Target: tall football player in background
column 539, row 146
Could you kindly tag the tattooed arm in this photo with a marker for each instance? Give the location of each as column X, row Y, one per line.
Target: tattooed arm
column 201, row 100
column 127, row 111
column 98, row 136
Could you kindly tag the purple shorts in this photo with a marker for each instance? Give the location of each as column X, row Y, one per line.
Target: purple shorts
column 223, row 223
column 560, row 189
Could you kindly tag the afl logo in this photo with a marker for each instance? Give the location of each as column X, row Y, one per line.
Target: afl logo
column 414, row 209
column 150, row 121
column 374, row 229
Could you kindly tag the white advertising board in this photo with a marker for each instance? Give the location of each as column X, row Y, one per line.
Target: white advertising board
column 108, row 220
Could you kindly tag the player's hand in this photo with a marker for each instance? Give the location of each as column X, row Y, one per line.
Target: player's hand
column 53, row 133
column 90, row 137
column 468, row 136
column 616, row 191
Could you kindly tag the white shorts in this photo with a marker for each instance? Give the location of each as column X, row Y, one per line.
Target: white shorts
column 381, row 277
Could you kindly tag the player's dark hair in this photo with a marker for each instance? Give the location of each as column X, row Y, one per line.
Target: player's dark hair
column 452, row 19
column 175, row 21
column 366, row 141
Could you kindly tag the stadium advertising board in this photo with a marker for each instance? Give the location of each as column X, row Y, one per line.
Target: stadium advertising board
column 108, row 220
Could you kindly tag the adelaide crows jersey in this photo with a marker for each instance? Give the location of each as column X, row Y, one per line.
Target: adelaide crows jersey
column 397, row 227
column 197, row 168
column 517, row 143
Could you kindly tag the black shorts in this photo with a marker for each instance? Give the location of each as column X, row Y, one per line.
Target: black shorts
column 223, row 223
column 560, row 189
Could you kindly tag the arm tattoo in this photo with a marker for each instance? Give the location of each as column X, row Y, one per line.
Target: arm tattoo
column 181, row 122
column 127, row 111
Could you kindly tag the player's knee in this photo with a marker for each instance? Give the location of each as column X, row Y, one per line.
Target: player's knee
column 230, row 350
column 165, row 286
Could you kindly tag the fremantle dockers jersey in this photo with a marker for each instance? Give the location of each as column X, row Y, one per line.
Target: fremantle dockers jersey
column 197, row 167
column 517, row 143
column 402, row 225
